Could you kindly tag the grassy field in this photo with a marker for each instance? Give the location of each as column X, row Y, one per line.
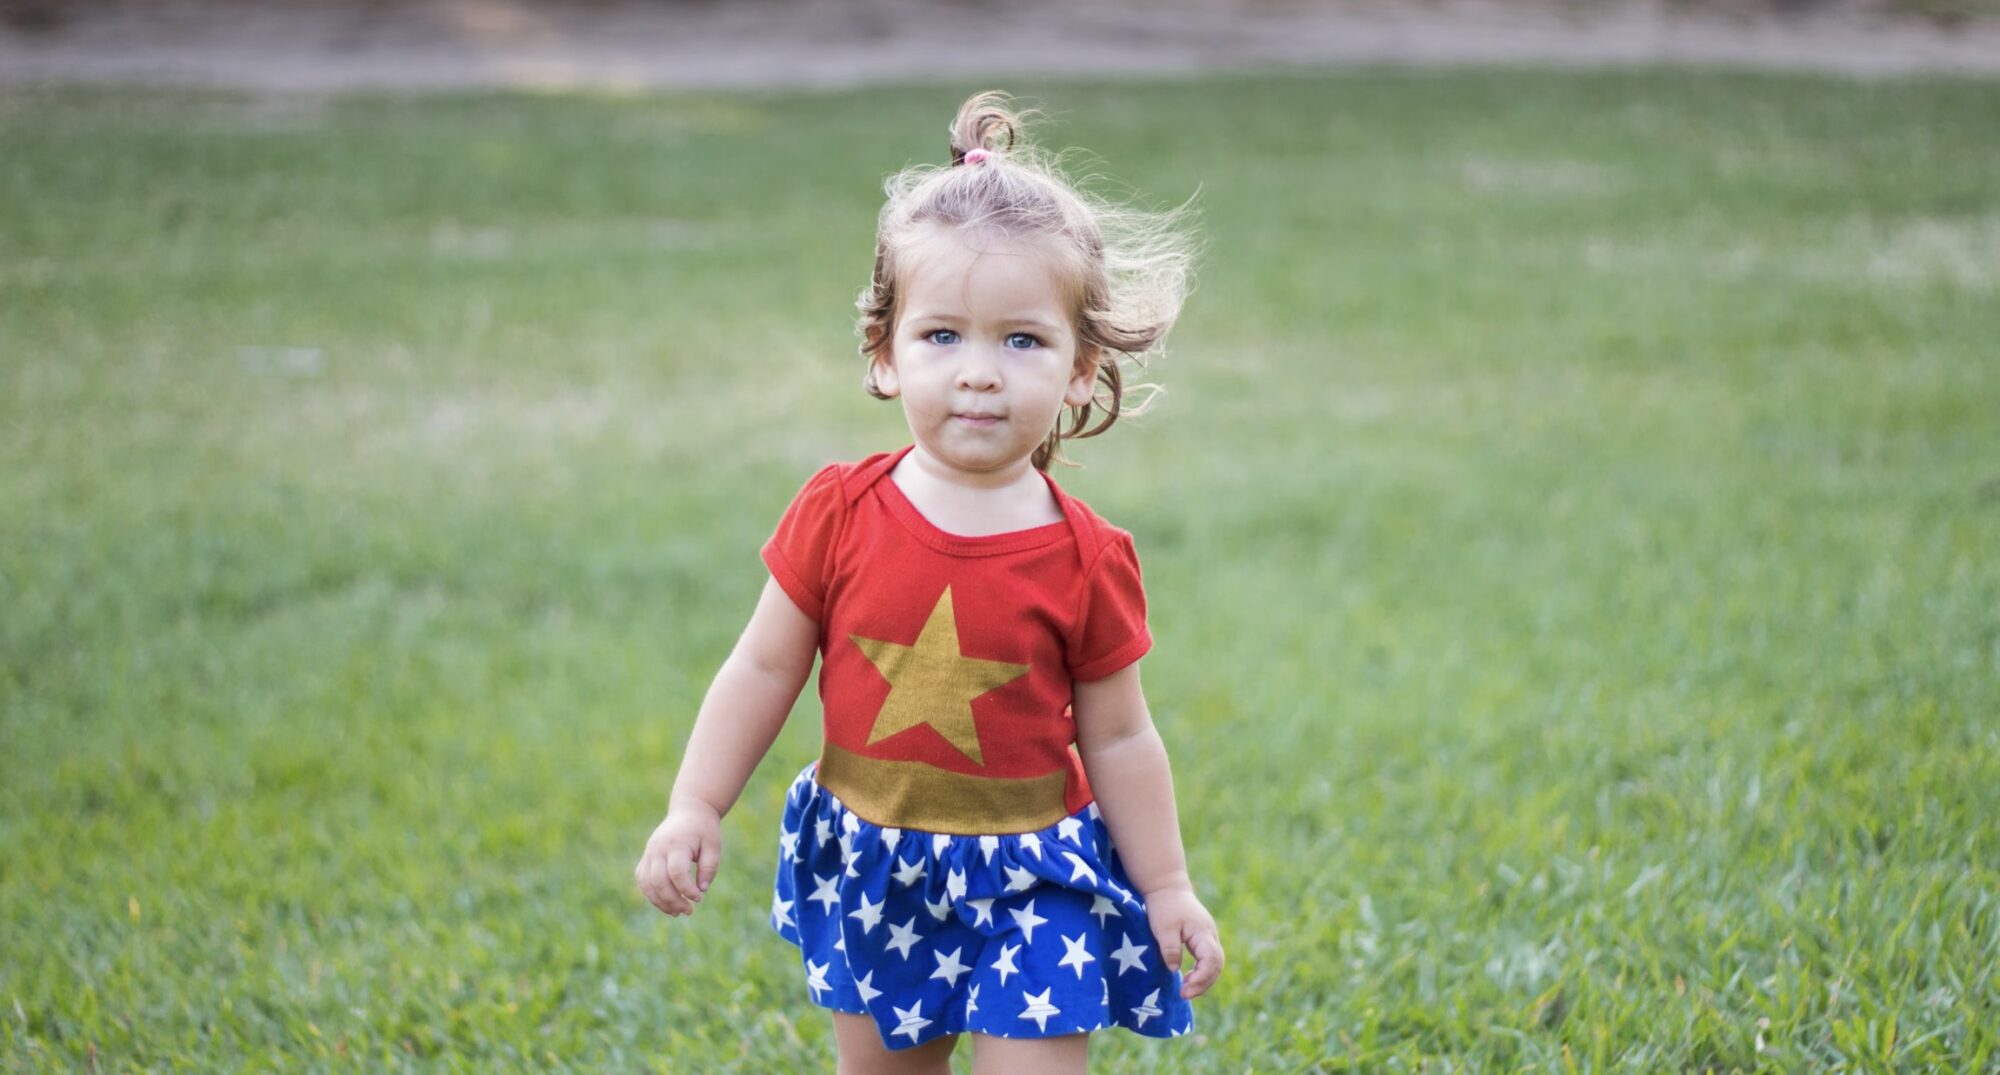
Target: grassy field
column 1571, row 532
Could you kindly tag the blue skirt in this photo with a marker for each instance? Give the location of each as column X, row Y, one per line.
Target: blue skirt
column 1023, row 936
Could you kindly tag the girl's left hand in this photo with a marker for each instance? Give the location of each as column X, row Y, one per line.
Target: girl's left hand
column 1180, row 923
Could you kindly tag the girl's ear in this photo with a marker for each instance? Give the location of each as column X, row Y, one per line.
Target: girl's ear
column 882, row 374
column 1083, row 386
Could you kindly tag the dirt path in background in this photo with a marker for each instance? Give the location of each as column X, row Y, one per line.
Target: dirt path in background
column 319, row 45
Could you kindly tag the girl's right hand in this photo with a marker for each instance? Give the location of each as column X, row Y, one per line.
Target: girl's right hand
column 681, row 858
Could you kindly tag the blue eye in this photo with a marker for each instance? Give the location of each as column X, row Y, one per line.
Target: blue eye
column 943, row 337
column 1021, row 341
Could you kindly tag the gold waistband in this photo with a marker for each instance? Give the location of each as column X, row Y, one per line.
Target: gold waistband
column 915, row 795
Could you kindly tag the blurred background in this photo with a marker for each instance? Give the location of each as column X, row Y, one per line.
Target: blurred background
column 1568, row 526
column 331, row 44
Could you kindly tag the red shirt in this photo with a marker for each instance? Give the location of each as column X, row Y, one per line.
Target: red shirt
column 957, row 653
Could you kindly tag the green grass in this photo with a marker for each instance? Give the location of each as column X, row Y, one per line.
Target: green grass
column 1571, row 533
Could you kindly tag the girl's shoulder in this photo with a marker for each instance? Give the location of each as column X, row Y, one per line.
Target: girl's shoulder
column 1095, row 535
column 802, row 552
column 837, row 485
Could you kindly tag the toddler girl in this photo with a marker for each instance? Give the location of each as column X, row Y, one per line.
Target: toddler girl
column 987, row 843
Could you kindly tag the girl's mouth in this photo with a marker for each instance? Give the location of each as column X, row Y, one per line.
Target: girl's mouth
column 978, row 420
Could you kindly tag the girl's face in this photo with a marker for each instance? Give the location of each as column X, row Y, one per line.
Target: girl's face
column 984, row 351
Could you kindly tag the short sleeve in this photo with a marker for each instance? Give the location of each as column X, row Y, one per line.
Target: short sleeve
column 1111, row 630
column 800, row 552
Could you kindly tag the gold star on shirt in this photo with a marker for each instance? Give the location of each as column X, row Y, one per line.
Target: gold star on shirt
column 933, row 682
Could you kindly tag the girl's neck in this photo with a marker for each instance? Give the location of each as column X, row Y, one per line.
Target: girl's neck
column 976, row 505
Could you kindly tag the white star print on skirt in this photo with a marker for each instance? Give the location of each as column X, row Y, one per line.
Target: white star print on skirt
column 1024, row 936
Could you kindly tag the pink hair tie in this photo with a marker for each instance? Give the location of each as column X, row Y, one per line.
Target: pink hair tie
column 974, row 156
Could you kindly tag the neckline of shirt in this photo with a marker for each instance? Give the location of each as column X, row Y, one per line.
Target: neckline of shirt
column 920, row 527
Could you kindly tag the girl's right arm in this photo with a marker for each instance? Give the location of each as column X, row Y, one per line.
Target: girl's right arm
column 743, row 712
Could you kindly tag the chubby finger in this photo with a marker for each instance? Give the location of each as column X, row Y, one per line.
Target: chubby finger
column 1169, row 938
column 1208, row 960
column 652, row 875
column 710, row 859
column 680, row 871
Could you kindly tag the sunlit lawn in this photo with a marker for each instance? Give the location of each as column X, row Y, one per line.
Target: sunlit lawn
column 1571, row 532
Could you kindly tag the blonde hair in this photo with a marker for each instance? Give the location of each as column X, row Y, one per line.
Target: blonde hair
column 1130, row 269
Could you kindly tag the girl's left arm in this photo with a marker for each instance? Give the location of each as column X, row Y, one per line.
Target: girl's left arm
column 1126, row 763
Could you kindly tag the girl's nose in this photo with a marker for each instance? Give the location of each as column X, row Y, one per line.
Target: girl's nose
column 976, row 373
